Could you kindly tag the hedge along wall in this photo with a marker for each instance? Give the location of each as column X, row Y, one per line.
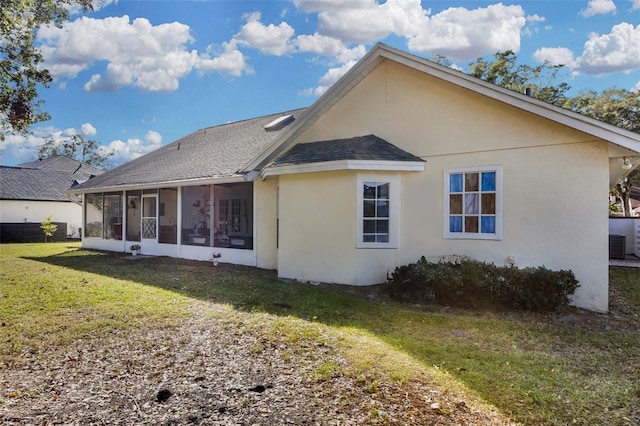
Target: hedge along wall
column 30, row 233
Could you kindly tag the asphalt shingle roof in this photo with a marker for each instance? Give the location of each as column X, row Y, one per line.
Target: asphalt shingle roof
column 369, row 147
column 215, row 152
column 44, row 180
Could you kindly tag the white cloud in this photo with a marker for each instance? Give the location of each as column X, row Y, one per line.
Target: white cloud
column 268, row 39
column 635, row 4
column 328, row 46
column 598, row 7
column 636, row 88
column 458, row 33
column 230, row 61
column 536, row 18
column 463, row 34
column 87, row 129
column 329, row 79
column 309, row 6
column 614, row 52
column 21, row 148
column 137, row 53
column 366, row 21
column 24, row 148
column 556, row 56
column 133, row 147
column 618, row 51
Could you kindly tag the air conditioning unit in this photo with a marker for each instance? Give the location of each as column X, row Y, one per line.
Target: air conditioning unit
column 617, row 246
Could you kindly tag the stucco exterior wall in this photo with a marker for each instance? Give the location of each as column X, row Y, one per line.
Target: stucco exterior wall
column 318, row 227
column 555, row 182
column 265, row 216
column 19, row 211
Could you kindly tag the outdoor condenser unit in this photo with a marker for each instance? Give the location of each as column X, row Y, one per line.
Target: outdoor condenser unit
column 617, row 246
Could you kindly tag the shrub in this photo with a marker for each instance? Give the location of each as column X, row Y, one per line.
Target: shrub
column 409, row 282
column 461, row 281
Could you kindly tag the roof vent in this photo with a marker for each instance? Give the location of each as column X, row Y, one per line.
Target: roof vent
column 279, row 123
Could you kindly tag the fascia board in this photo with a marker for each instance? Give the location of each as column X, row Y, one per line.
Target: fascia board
column 156, row 185
column 396, row 166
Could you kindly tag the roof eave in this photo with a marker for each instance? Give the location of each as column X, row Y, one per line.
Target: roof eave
column 154, row 185
column 326, row 166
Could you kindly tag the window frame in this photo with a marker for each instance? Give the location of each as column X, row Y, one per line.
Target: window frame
column 394, row 211
column 447, row 233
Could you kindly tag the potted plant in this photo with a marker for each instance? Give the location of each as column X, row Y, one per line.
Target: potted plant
column 214, row 258
column 135, row 248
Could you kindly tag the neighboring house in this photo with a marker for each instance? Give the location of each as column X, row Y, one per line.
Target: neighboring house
column 32, row 191
column 401, row 158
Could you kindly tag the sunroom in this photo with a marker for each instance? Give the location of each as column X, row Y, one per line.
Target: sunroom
column 192, row 222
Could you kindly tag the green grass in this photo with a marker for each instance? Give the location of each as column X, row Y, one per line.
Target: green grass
column 575, row 368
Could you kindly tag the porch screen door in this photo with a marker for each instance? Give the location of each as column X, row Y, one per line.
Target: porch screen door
column 149, row 217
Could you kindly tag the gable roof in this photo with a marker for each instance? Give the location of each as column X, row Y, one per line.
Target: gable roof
column 381, row 52
column 361, row 152
column 44, row 180
column 219, row 152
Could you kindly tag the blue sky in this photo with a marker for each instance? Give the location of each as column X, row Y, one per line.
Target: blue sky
column 135, row 75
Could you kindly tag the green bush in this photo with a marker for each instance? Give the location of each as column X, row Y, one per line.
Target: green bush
column 464, row 282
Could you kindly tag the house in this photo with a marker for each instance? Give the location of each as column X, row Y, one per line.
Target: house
column 401, row 158
column 32, row 191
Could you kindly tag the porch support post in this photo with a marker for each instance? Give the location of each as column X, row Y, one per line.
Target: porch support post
column 179, row 220
column 124, row 221
column 212, row 232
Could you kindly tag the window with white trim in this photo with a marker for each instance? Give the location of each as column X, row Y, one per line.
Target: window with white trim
column 375, row 212
column 378, row 211
column 473, row 203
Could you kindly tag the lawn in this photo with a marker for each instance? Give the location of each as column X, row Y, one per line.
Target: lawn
column 574, row 367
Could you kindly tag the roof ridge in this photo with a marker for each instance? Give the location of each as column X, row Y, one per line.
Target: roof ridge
column 287, row 111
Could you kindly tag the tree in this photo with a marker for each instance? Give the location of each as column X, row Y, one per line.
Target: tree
column 622, row 190
column 48, row 227
column 619, row 107
column 77, row 147
column 21, row 71
column 504, row 71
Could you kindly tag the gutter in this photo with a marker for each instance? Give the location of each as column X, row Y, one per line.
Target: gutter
column 157, row 185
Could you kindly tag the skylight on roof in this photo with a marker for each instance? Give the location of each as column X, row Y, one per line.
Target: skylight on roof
column 279, row 123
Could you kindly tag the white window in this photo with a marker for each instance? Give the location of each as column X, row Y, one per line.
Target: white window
column 378, row 210
column 473, row 203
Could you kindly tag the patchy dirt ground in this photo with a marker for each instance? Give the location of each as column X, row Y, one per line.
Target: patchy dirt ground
column 209, row 371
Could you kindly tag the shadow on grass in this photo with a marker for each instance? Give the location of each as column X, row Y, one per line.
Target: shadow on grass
column 245, row 288
column 475, row 348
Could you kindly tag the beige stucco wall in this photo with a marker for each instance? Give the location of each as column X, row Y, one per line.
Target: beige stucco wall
column 17, row 211
column 554, row 199
column 317, row 227
column 265, row 217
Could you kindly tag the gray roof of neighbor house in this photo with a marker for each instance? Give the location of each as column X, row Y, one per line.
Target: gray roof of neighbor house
column 212, row 153
column 43, row 180
column 368, row 147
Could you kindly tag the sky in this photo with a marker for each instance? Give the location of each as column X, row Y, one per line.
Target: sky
column 135, row 75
